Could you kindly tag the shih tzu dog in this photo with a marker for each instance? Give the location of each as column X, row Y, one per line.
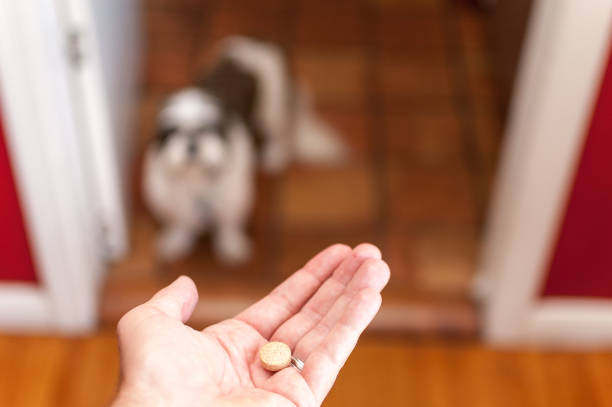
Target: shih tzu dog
column 199, row 171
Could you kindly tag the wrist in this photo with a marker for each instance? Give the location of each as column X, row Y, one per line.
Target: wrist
column 129, row 396
column 138, row 395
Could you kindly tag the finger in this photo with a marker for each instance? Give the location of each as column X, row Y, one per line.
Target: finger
column 176, row 300
column 321, row 302
column 324, row 363
column 291, row 384
column 285, row 300
column 372, row 274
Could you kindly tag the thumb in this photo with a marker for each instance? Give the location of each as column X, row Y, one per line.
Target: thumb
column 176, row 300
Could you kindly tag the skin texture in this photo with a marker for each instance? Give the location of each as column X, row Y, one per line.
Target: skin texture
column 319, row 311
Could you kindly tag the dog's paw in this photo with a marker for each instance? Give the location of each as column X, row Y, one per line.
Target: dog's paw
column 275, row 158
column 232, row 247
column 173, row 244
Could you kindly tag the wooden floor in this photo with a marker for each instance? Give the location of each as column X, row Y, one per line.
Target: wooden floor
column 43, row 371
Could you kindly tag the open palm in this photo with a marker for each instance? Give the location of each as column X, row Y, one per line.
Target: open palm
column 319, row 311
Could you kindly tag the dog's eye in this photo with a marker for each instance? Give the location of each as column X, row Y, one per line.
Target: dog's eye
column 164, row 133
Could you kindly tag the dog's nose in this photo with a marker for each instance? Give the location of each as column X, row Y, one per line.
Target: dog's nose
column 192, row 149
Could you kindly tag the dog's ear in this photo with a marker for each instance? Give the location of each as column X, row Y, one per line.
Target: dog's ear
column 164, row 132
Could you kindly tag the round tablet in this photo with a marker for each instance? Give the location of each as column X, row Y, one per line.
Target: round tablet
column 275, row 356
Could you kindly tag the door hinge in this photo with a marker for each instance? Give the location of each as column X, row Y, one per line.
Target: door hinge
column 75, row 47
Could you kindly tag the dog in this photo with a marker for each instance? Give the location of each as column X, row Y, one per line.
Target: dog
column 199, row 170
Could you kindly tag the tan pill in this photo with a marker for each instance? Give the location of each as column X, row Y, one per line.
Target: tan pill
column 275, row 356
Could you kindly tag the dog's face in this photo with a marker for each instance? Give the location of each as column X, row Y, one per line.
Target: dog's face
column 190, row 135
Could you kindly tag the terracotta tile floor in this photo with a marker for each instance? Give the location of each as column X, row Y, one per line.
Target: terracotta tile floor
column 407, row 84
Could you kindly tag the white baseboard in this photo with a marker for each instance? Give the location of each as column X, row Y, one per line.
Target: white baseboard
column 563, row 323
column 24, row 307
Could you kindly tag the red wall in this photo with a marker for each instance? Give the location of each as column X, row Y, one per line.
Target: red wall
column 581, row 264
column 15, row 256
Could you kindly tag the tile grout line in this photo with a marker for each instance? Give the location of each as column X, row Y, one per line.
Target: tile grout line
column 463, row 102
column 203, row 36
column 276, row 231
column 370, row 16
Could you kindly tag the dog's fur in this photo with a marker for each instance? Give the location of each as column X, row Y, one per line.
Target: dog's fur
column 199, row 171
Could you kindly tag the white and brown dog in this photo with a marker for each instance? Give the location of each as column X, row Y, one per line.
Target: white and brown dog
column 199, row 172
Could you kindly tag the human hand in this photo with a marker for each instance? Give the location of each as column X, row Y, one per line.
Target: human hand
column 319, row 311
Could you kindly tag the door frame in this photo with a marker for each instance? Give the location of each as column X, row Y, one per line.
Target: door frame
column 53, row 181
column 106, row 41
column 564, row 57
